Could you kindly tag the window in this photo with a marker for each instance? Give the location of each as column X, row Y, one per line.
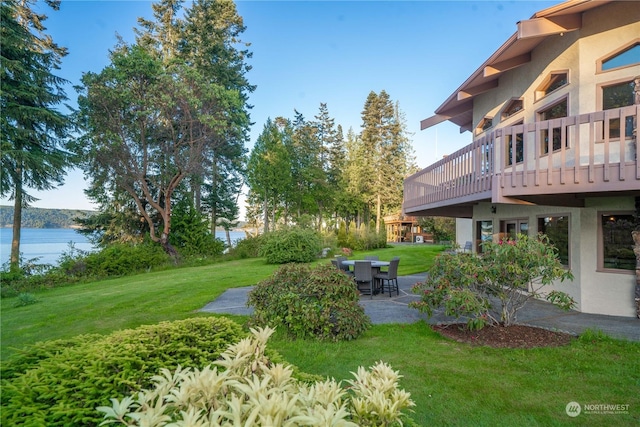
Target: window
column 555, row 111
column 556, row 228
column 517, row 145
column 553, row 82
column 617, row 96
column 625, row 57
column 511, row 228
column 616, row 242
column 484, row 233
column 484, row 124
column 513, row 107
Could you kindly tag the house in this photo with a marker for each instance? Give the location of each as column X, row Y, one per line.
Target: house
column 553, row 117
column 403, row 228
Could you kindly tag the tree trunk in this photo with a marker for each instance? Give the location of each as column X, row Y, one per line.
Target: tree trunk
column 265, row 213
column 226, row 231
column 378, row 212
column 14, row 261
column 168, row 248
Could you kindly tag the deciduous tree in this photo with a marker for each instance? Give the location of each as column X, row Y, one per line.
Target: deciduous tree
column 147, row 127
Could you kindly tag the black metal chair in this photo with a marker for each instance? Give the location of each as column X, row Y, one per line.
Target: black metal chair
column 390, row 277
column 363, row 275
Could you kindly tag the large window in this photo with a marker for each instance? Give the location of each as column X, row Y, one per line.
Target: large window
column 556, row 228
column 616, row 242
column 617, row 96
column 554, row 111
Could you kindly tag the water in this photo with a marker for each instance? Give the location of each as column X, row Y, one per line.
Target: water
column 48, row 244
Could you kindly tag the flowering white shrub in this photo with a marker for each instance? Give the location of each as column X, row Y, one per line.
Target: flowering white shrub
column 251, row 391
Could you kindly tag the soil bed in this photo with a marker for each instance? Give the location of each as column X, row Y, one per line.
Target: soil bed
column 514, row 336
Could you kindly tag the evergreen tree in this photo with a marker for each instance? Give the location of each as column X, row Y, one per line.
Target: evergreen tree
column 388, row 152
column 212, row 44
column 332, row 155
column 269, row 170
column 200, row 48
column 33, row 131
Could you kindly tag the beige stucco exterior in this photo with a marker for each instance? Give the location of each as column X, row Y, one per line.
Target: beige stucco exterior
column 605, row 28
column 594, row 290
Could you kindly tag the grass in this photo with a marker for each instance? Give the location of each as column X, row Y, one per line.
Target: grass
column 453, row 384
column 458, row 385
column 126, row 302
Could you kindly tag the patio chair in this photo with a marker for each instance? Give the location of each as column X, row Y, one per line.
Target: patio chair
column 468, row 246
column 372, row 257
column 363, row 275
column 390, row 277
column 344, row 268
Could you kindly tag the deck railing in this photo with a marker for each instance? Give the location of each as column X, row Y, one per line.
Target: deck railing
column 576, row 154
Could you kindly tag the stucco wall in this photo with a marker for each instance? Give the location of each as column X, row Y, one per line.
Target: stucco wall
column 604, row 30
column 463, row 231
column 594, row 291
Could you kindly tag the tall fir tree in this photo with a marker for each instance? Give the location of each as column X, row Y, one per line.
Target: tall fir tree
column 387, row 146
column 33, row 130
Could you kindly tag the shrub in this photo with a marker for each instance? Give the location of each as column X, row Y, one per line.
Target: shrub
column 310, row 302
column 247, row 248
column 251, row 390
column 291, row 245
column 190, row 234
column 120, row 259
column 511, row 272
column 60, row 383
column 25, row 298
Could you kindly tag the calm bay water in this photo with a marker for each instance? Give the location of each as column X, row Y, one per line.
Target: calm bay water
column 49, row 243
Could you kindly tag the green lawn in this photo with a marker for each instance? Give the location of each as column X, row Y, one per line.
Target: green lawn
column 452, row 384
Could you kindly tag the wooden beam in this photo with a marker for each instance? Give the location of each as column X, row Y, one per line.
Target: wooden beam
column 538, row 27
column 432, row 121
column 476, row 90
column 505, row 65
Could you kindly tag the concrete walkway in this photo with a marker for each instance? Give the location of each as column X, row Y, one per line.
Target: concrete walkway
column 385, row 309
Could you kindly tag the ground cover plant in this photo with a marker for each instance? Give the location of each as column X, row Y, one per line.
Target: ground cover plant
column 60, row 383
column 318, row 302
column 246, row 388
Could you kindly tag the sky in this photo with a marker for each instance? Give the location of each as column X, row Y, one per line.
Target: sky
column 306, row 53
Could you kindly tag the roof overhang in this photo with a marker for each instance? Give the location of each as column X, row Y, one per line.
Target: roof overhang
column 516, row 51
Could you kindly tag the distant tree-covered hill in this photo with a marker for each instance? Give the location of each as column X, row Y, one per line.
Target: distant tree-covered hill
column 43, row 218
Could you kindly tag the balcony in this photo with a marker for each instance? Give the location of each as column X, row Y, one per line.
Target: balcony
column 555, row 162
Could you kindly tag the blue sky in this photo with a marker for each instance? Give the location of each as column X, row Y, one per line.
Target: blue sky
column 305, row 53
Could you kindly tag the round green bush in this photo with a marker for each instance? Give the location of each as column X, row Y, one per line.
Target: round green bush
column 247, row 248
column 60, row 383
column 291, row 245
column 310, row 302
